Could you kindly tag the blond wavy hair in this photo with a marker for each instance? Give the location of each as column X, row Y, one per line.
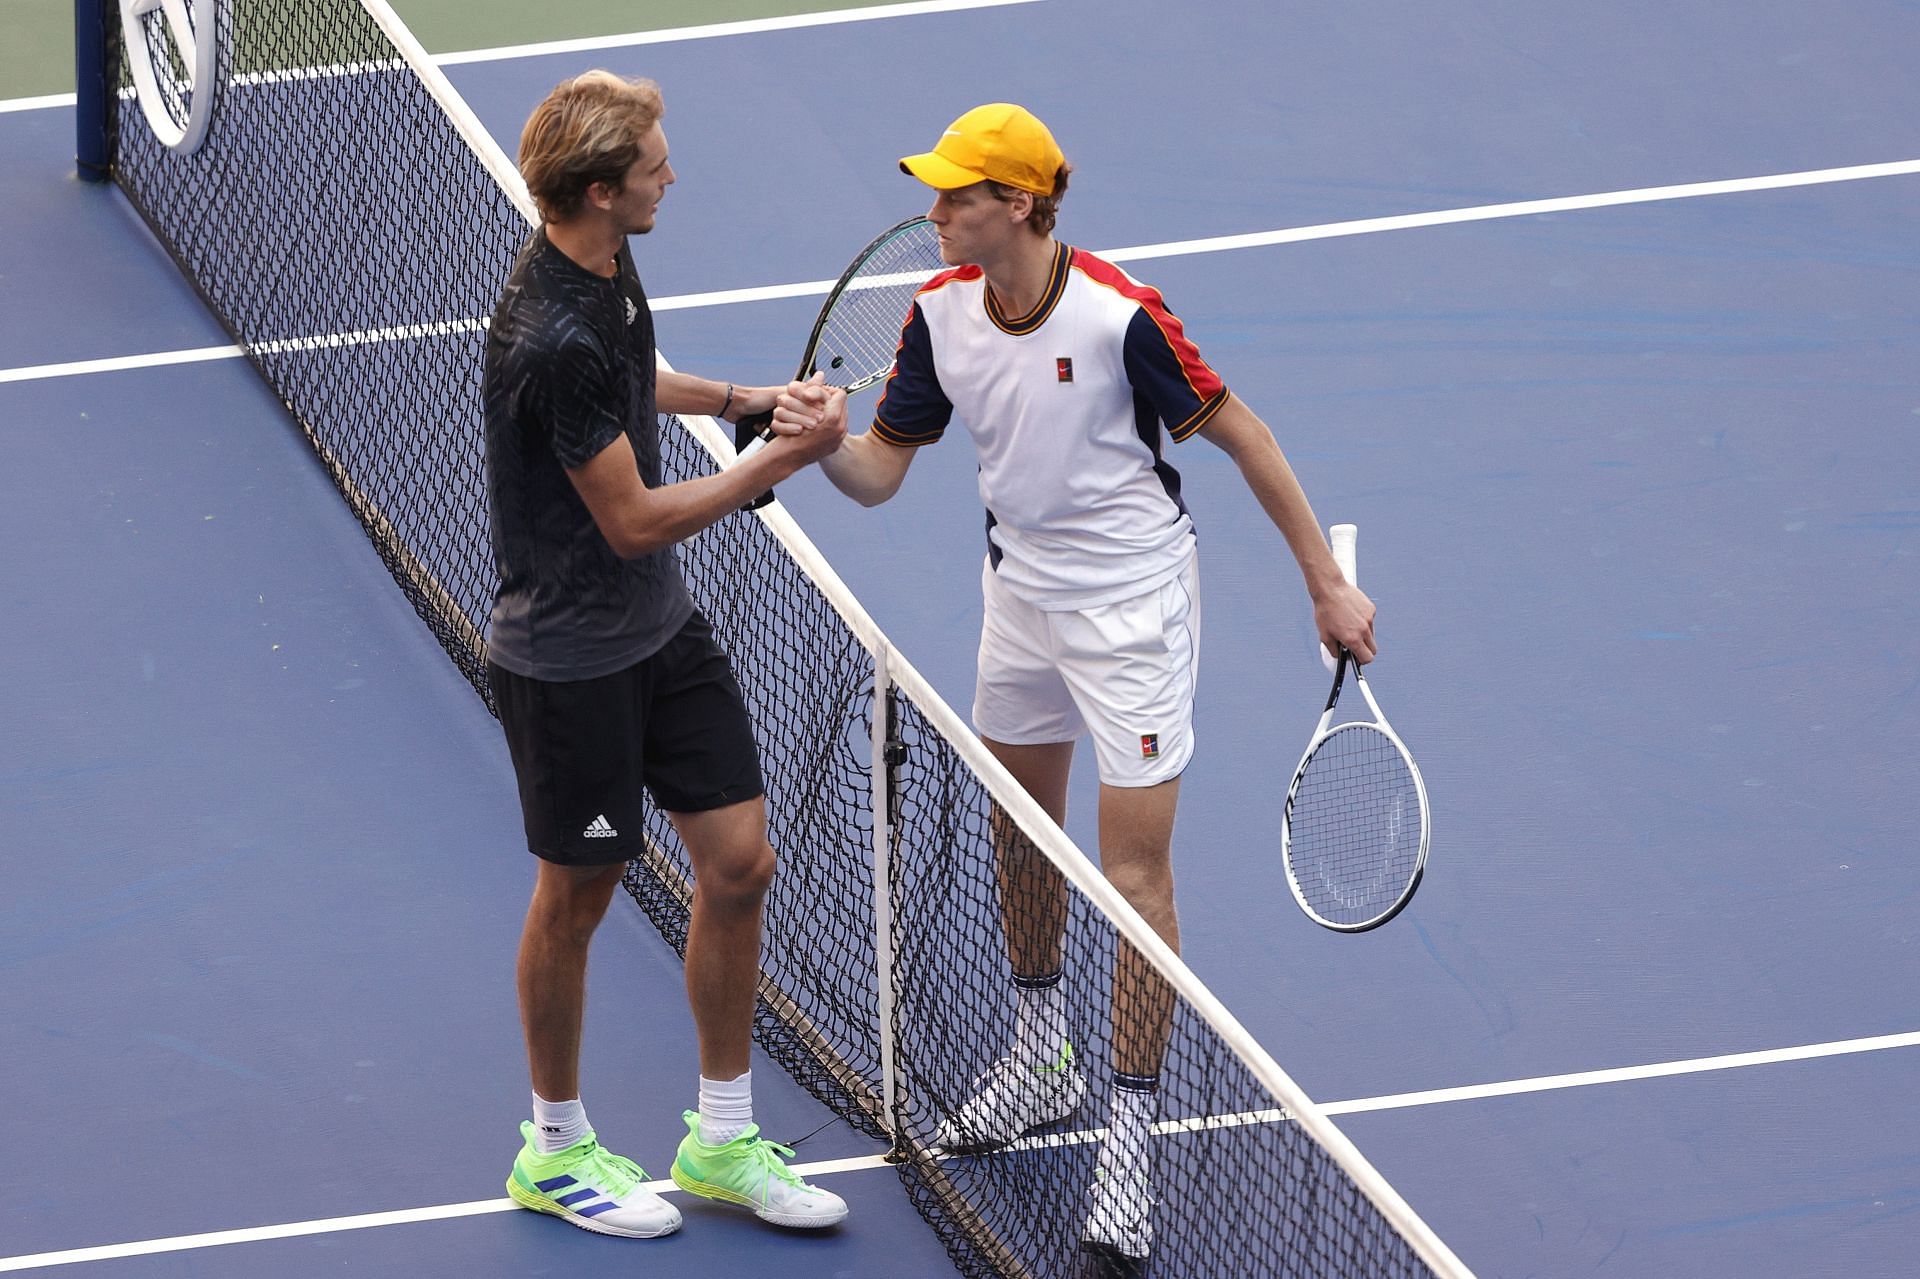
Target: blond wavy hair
column 588, row 130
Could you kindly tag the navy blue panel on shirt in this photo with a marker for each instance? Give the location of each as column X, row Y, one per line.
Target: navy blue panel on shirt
column 912, row 408
column 1165, row 368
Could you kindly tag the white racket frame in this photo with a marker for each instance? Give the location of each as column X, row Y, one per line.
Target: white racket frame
column 194, row 29
column 1343, row 539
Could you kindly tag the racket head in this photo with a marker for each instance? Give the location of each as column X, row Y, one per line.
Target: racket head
column 1355, row 829
column 857, row 333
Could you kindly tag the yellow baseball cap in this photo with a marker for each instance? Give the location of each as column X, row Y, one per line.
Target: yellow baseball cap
column 999, row 142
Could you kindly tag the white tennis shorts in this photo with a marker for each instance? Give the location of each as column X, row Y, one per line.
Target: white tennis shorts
column 1123, row 672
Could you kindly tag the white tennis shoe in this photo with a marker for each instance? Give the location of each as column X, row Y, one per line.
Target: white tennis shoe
column 1119, row 1227
column 1010, row 1099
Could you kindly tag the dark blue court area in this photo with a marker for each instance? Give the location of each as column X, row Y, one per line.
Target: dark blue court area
column 1638, row 490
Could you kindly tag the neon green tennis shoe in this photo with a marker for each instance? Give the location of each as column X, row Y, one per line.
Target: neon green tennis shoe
column 591, row 1187
column 751, row 1171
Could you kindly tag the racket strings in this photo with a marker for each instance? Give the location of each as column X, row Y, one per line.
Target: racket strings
column 1354, row 826
column 861, row 333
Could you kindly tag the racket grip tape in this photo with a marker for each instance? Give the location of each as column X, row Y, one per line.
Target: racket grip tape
column 750, row 435
column 1341, row 540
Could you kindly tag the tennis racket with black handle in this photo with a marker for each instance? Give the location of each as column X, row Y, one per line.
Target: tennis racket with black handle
column 857, row 333
column 1354, row 833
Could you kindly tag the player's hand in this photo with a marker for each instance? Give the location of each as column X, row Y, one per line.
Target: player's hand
column 804, row 406
column 810, row 446
column 822, row 427
column 1344, row 616
column 833, row 413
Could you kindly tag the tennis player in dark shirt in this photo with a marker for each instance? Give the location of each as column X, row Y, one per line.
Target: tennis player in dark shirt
column 607, row 678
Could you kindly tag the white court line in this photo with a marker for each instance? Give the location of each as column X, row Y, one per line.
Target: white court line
column 1362, row 1105
column 213, row 1239
column 1520, row 209
column 1508, row 1088
column 280, row 346
column 1138, row 253
column 113, row 364
column 37, row 104
column 747, row 27
column 365, row 1221
column 1626, row 1074
column 672, row 35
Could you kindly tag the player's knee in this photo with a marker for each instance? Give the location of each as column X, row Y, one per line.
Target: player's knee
column 1147, row 888
column 566, row 910
column 740, row 879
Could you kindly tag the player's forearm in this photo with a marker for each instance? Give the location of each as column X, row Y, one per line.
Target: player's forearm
column 1285, row 502
column 683, row 394
column 865, row 469
column 1248, row 441
column 671, row 514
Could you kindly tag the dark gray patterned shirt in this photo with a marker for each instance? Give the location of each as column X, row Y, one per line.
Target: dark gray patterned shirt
column 569, row 369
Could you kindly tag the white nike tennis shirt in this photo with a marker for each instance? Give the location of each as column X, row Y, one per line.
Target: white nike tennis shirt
column 1066, row 407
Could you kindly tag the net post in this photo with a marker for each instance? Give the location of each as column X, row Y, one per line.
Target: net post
column 92, row 154
column 883, row 777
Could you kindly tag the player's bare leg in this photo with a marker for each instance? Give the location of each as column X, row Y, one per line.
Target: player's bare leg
column 1033, row 897
column 1136, row 842
column 723, row 1156
column 1037, row 1081
column 733, row 866
column 551, row 970
column 1136, row 839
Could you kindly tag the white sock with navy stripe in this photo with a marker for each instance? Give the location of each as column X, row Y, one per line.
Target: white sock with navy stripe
column 558, row 1124
column 726, row 1108
column 1130, row 1120
column 1039, row 1021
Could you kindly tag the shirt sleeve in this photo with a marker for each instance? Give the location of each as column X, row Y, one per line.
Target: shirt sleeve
column 913, row 409
column 575, row 397
column 1165, row 367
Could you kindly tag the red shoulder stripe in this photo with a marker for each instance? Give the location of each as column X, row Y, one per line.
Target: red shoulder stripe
column 951, row 275
column 1200, row 376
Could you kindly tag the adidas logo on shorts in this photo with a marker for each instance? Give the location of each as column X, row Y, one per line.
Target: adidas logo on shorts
column 600, row 828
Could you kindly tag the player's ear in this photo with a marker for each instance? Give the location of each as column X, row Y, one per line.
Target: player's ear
column 1020, row 206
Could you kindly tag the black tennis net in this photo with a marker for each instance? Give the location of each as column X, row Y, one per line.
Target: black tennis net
column 350, row 224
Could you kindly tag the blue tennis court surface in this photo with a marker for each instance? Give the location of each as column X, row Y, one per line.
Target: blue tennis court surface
column 1638, row 488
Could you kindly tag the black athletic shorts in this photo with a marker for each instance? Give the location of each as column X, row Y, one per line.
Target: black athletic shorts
column 584, row 751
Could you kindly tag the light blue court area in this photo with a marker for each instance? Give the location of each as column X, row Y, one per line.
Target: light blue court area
column 1638, row 487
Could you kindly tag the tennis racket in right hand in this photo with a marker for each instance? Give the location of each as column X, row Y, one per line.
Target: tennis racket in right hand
column 1355, row 829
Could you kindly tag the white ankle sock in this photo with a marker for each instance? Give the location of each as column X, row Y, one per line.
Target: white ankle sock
column 726, row 1108
column 1039, row 1020
column 558, row 1124
column 1130, row 1119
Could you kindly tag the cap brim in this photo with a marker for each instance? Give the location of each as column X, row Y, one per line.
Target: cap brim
column 939, row 172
